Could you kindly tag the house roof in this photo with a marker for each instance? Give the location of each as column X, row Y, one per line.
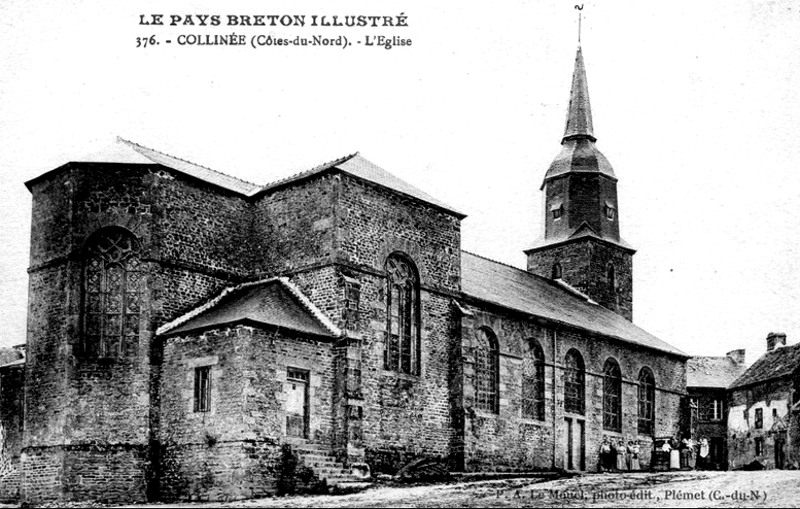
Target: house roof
column 128, row 152
column 712, row 372
column 520, row 290
column 275, row 302
column 779, row 363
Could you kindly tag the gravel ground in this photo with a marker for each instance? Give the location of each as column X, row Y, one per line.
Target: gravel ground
column 771, row 488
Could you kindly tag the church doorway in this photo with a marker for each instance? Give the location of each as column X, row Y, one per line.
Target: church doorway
column 575, row 452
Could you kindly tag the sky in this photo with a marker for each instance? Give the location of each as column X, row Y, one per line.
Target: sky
column 695, row 104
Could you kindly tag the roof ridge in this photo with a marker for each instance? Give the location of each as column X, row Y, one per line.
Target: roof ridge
column 310, row 306
column 300, row 174
column 120, row 138
column 209, row 304
column 560, row 282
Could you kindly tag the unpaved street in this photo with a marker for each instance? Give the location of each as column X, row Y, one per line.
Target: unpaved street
column 773, row 488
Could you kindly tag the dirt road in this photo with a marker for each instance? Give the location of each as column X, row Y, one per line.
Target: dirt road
column 773, row 488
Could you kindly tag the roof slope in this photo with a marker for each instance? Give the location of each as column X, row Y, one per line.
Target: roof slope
column 125, row 151
column 273, row 302
column 779, row 363
column 581, row 232
column 579, row 114
column 579, row 155
column 520, row 290
column 192, row 169
column 361, row 168
column 712, row 372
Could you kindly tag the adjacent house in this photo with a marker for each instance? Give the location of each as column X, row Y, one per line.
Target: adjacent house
column 764, row 409
column 707, row 381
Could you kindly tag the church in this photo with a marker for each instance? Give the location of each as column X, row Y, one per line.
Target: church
column 189, row 331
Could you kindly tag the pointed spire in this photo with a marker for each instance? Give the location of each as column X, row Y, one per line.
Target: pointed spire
column 579, row 115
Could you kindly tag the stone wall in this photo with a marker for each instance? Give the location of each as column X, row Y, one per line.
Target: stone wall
column 12, row 392
column 191, row 245
column 584, row 265
column 372, row 223
column 231, row 451
column 293, row 226
column 489, row 437
column 403, row 416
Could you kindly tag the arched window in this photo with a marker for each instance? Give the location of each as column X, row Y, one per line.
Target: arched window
column 402, row 352
column 612, row 396
column 556, row 271
column 486, row 370
column 611, row 278
column 647, row 401
column 112, row 273
column 574, row 376
column 533, row 382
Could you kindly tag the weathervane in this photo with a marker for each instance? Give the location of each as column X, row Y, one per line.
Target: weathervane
column 580, row 14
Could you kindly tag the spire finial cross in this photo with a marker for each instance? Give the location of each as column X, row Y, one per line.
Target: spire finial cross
column 580, row 15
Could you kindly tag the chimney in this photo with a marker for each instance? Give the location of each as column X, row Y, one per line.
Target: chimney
column 775, row 340
column 736, row 356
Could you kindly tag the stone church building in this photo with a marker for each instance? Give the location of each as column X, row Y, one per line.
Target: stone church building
column 185, row 327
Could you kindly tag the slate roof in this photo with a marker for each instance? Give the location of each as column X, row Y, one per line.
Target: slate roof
column 779, row 363
column 712, row 372
column 125, row 151
column 582, row 231
column 273, row 302
column 195, row 170
column 579, row 113
column 520, row 290
column 361, row 168
column 580, row 155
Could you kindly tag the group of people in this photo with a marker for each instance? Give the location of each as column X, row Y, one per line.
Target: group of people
column 619, row 457
column 687, row 453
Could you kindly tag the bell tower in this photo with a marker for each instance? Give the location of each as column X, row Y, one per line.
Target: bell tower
column 581, row 245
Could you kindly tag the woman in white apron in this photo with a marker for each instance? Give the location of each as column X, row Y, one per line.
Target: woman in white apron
column 675, row 456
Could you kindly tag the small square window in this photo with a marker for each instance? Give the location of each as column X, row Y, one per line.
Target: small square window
column 558, row 211
column 202, row 389
column 609, row 212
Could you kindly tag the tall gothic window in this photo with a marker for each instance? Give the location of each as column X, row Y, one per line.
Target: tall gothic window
column 402, row 352
column 533, row 382
column 647, row 401
column 486, row 370
column 612, row 396
column 112, row 273
column 574, row 376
